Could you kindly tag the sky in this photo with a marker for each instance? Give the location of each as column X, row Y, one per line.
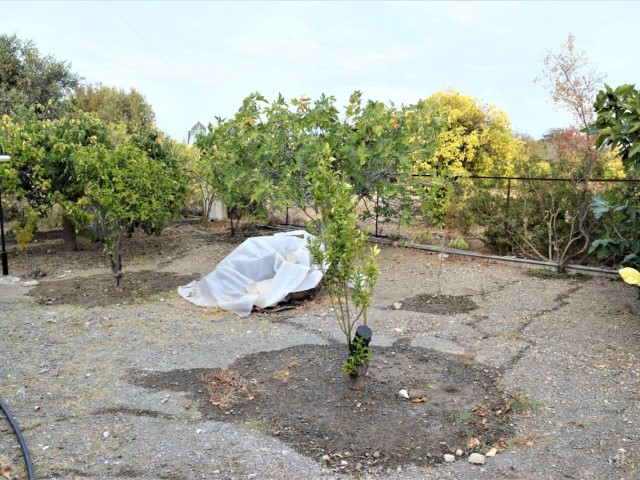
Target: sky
column 194, row 61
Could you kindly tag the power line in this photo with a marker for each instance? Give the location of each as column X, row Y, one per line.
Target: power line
column 134, row 30
column 194, row 94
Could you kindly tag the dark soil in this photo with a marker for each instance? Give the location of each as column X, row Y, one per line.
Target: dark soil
column 139, row 249
column 438, row 304
column 298, row 395
column 100, row 290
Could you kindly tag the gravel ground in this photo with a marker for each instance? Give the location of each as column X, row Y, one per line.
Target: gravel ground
column 569, row 348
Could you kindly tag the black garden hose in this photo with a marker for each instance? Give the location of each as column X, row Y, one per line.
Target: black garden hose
column 23, row 444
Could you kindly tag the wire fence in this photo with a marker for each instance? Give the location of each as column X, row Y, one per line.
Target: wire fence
column 501, row 190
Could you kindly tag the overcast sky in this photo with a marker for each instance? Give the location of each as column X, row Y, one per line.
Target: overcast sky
column 194, row 61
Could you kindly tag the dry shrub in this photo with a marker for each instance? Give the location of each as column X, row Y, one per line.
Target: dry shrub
column 228, row 388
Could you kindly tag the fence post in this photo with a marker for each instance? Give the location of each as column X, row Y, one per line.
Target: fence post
column 506, row 218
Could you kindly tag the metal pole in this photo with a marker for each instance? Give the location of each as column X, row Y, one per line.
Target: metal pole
column 3, row 254
column 5, row 263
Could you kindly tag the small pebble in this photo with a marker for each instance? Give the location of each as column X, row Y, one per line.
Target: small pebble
column 449, row 458
column 459, row 453
column 476, row 459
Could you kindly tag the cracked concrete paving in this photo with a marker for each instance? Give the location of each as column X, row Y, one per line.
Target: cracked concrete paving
column 571, row 346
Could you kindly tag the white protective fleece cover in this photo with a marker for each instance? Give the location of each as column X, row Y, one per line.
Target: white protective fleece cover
column 262, row 271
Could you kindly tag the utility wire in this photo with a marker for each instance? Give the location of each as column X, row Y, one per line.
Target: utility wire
column 195, row 95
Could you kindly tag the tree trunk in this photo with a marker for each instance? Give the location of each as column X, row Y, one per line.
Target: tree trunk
column 234, row 214
column 355, row 381
column 69, row 235
column 115, row 259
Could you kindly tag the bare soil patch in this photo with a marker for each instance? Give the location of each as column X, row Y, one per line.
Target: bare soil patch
column 99, row 290
column 437, row 304
column 298, row 395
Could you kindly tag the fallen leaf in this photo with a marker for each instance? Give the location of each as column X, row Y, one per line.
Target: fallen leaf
column 419, row 400
column 473, row 443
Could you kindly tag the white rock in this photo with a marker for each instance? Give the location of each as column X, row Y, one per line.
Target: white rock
column 31, row 283
column 105, row 434
column 397, row 305
column 9, row 280
column 476, row 459
column 398, row 330
column 403, row 393
column 326, row 458
column 459, row 453
column 491, row 453
column 449, row 458
column 344, row 463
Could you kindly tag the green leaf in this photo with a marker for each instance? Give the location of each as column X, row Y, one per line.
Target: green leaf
column 634, row 151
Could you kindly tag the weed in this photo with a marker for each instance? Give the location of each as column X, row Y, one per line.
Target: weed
column 292, row 363
column 360, row 355
column 37, row 272
column 281, row 375
column 508, row 335
column 502, row 426
column 522, row 403
column 459, row 244
column 422, row 237
column 259, row 425
column 462, row 417
column 547, row 273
